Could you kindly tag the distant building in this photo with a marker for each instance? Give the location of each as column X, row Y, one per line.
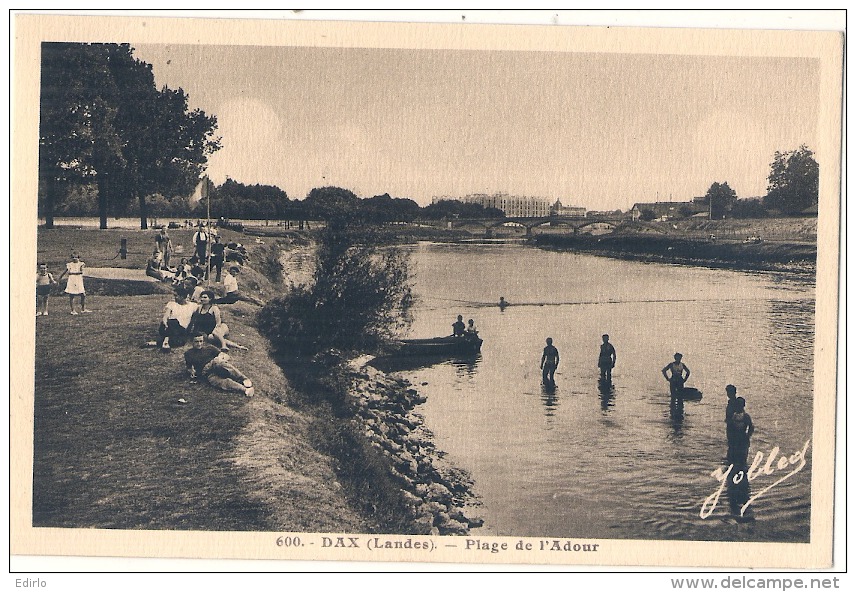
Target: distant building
column 557, row 209
column 612, row 214
column 513, row 206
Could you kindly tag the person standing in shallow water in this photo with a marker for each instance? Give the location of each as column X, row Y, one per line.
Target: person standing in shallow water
column 731, row 407
column 738, row 431
column 606, row 359
column 677, row 373
column 549, row 363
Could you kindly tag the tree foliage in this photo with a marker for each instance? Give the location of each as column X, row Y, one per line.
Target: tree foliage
column 104, row 122
column 793, row 183
column 448, row 208
column 748, row 208
column 236, row 200
column 360, row 296
column 720, row 198
column 647, row 214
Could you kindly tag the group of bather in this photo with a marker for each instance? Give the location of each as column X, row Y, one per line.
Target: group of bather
column 193, row 314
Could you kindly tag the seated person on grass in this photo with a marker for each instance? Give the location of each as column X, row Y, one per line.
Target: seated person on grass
column 155, row 268
column 208, row 362
column 193, row 287
column 233, row 294
column 208, row 319
column 177, row 315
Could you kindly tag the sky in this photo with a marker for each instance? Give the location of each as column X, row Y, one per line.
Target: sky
column 597, row 130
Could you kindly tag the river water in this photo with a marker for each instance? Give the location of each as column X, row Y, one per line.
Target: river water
column 588, row 460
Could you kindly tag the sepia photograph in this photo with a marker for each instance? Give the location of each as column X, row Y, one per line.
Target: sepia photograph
column 460, row 293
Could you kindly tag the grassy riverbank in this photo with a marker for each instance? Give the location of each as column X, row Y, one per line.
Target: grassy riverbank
column 124, row 440
column 114, row 447
column 794, row 257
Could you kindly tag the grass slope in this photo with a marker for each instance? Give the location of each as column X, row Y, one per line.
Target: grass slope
column 113, row 447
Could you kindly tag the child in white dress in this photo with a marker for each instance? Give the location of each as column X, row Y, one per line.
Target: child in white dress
column 74, row 287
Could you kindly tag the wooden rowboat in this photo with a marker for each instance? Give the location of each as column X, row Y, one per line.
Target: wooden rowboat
column 439, row 346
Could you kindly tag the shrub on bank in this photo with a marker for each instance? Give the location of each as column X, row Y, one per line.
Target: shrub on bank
column 360, row 295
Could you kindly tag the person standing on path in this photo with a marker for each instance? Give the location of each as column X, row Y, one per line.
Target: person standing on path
column 677, row 374
column 164, row 244
column 606, row 359
column 74, row 287
column 218, row 251
column 200, row 241
column 549, row 363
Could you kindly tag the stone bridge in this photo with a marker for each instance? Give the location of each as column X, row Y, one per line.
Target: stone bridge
column 570, row 224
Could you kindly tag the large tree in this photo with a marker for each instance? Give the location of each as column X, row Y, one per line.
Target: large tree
column 104, row 120
column 77, row 134
column 793, row 181
column 720, row 198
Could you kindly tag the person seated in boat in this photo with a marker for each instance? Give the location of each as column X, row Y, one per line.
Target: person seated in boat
column 471, row 332
column 458, row 327
column 677, row 373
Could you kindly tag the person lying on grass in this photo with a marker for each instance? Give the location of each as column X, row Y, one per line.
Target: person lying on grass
column 206, row 361
column 208, row 320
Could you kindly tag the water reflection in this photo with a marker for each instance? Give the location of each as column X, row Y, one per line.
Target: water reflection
column 738, row 492
column 466, row 367
column 607, row 393
column 676, row 415
column 549, row 398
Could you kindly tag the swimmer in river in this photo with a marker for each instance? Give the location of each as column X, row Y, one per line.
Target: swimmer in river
column 549, row 363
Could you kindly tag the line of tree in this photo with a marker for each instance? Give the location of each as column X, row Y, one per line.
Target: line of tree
column 105, row 124
column 792, row 189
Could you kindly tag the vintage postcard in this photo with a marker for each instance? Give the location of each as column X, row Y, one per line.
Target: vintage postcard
column 429, row 293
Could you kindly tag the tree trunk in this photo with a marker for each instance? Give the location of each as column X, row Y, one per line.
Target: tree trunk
column 103, row 199
column 144, row 214
column 50, row 193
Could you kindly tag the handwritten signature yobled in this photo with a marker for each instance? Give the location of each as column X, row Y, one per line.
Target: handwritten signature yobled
column 753, row 472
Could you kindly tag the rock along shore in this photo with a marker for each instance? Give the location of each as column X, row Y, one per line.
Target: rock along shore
column 434, row 491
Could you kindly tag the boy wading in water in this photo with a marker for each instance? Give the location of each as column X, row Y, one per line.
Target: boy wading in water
column 606, row 359
column 549, row 363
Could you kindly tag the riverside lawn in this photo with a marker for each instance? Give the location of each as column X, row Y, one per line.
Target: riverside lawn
column 114, row 447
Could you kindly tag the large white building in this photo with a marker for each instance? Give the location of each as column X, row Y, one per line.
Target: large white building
column 513, row 206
